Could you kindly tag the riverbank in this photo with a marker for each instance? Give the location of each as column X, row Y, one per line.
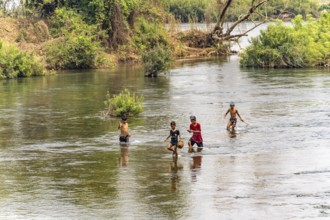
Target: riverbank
column 31, row 36
column 34, row 38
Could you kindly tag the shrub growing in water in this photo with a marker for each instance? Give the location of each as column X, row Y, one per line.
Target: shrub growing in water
column 125, row 103
column 16, row 63
column 156, row 60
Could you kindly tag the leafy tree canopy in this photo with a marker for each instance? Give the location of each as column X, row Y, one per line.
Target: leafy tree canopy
column 299, row 45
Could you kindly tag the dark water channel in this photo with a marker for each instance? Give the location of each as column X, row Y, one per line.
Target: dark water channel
column 60, row 159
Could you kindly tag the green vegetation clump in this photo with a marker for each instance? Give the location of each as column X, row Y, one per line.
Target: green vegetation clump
column 149, row 34
column 292, row 8
column 15, row 63
column 325, row 7
column 72, row 52
column 125, row 103
column 300, row 45
column 190, row 10
column 74, row 46
column 156, row 60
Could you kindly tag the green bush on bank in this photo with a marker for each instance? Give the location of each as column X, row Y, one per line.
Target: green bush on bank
column 152, row 42
column 66, row 22
column 72, row 52
column 15, row 63
column 149, row 34
column 324, row 7
column 74, row 46
column 300, row 45
column 125, row 103
column 156, row 60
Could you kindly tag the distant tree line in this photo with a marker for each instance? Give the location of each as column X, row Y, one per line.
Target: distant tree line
column 207, row 10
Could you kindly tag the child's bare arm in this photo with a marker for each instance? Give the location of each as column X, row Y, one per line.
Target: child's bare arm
column 167, row 138
column 193, row 131
column 224, row 116
column 119, row 125
column 239, row 115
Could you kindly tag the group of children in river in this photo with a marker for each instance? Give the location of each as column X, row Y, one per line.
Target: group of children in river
column 194, row 129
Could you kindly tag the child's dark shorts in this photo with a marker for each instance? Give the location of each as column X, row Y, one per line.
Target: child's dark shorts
column 174, row 141
column 200, row 144
column 233, row 120
column 124, row 139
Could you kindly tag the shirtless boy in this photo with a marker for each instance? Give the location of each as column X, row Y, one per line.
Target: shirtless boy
column 124, row 134
column 233, row 116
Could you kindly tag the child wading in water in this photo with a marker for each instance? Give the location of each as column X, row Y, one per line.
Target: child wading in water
column 233, row 118
column 174, row 135
column 196, row 138
column 124, row 134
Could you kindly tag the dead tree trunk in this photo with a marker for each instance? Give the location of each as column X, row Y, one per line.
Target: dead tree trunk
column 220, row 34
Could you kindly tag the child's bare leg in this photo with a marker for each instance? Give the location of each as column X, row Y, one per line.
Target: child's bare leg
column 228, row 125
column 233, row 125
column 175, row 151
column 169, row 147
column 189, row 147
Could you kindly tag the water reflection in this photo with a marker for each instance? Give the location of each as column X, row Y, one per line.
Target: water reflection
column 195, row 166
column 123, row 159
column 175, row 167
column 197, row 161
column 232, row 133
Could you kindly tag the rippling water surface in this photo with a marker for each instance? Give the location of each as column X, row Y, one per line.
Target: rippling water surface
column 60, row 159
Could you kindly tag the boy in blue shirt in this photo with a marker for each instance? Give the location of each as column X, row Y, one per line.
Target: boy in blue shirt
column 175, row 136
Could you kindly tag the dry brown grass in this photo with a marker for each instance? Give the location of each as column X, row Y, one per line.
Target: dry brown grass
column 324, row 2
column 29, row 36
column 9, row 29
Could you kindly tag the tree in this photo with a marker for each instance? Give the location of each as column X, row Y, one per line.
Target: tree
column 111, row 16
column 219, row 32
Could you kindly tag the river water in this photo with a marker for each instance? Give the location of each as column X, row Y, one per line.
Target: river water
column 60, row 158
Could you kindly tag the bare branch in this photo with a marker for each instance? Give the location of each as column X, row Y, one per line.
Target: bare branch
column 255, row 26
column 245, row 17
column 237, row 36
column 221, row 17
